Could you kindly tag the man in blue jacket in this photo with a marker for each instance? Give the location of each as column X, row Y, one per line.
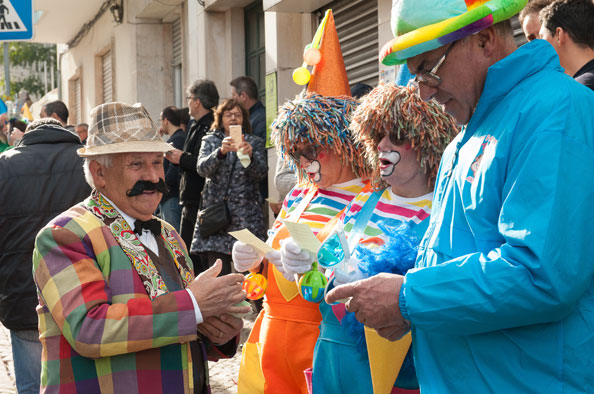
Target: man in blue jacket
column 502, row 296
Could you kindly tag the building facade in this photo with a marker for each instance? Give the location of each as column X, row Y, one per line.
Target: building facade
column 148, row 51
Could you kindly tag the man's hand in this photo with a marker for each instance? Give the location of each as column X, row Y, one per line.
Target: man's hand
column 395, row 332
column 217, row 295
column 173, row 156
column 15, row 136
column 275, row 207
column 221, row 329
column 375, row 303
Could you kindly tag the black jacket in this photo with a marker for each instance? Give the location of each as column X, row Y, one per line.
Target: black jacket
column 40, row 178
column 191, row 184
column 258, row 120
column 177, row 139
column 585, row 75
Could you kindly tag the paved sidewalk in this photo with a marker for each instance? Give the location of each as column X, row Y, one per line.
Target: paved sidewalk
column 223, row 374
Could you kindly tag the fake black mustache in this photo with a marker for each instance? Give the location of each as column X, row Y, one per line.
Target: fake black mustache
column 141, row 186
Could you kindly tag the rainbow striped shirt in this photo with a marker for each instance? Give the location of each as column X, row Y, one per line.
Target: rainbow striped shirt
column 325, row 204
column 391, row 210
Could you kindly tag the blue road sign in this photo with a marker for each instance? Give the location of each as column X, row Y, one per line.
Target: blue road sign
column 16, row 20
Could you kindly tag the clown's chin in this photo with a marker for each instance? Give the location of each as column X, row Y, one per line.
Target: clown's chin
column 388, row 161
column 313, row 171
column 387, row 171
column 316, row 177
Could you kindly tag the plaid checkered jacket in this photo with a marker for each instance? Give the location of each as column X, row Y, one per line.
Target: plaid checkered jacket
column 100, row 330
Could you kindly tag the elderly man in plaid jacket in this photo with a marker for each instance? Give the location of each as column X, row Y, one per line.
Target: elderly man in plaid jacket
column 119, row 308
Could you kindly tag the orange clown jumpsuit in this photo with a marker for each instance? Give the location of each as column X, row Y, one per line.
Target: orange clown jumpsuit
column 281, row 344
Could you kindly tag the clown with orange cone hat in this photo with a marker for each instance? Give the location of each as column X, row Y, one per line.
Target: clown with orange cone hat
column 312, row 132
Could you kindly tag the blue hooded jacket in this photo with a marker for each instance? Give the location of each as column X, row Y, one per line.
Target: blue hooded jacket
column 502, row 296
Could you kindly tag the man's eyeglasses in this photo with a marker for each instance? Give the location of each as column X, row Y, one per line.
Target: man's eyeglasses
column 309, row 152
column 430, row 78
column 190, row 98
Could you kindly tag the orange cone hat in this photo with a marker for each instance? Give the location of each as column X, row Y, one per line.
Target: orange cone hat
column 329, row 77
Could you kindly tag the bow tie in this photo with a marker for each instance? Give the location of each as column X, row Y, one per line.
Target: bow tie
column 152, row 225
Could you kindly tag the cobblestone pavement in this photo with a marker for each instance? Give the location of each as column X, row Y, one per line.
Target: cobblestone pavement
column 7, row 385
column 223, row 374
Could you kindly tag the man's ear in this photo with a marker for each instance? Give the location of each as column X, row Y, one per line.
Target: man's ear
column 561, row 36
column 98, row 174
column 486, row 39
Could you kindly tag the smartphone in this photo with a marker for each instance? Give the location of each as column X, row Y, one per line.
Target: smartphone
column 236, row 134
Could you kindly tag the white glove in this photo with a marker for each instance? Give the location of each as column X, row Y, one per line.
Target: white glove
column 295, row 260
column 244, row 257
column 274, row 258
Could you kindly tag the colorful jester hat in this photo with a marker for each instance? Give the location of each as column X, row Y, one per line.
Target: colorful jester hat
column 400, row 112
column 321, row 115
column 423, row 25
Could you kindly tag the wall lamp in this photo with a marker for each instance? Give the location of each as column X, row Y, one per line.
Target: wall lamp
column 117, row 11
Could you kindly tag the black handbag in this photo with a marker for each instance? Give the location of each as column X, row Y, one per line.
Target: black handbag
column 216, row 217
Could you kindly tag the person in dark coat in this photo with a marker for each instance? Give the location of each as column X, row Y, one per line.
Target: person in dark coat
column 169, row 206
column 567, row 26
column 41, row 177
column 229, row 175
column 245, row 90
column 202, row 97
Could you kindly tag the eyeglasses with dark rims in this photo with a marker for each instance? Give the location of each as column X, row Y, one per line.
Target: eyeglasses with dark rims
column 430, row 78
column 309, row 152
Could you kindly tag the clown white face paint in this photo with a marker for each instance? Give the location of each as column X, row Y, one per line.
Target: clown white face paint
column 388, row 162
column 322, row 167
column 313, row 171
column 408, row 180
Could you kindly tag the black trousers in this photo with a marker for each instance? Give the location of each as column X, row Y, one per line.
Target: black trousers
column 209, row 258
column 187, row 223
column 186, row 231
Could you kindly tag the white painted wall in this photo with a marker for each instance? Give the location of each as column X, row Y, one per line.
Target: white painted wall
column 154, row 78
column 82, row 57
column 215, row 46
column 384, row 9
column 286, row 37
column 141, row 54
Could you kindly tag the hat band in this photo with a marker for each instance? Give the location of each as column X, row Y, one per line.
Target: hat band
column 155, row 146
column 432, row 36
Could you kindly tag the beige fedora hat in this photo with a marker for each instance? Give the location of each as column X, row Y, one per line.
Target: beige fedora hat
column 122, row 128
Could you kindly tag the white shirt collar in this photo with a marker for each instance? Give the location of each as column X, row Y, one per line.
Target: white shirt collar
column 147, row 238
column 129, row 219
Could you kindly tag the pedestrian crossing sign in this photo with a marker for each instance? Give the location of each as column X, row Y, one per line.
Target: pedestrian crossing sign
column 16, row 20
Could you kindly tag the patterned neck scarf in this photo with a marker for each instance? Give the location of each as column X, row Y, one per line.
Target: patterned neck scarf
column 135, row 250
